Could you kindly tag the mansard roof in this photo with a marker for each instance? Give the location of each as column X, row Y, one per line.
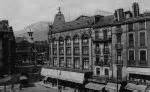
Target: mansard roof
column 79, row 23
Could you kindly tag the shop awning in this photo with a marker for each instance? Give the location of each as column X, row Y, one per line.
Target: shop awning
column 131, row 86
column 94, row 86
column 112, row 86
column 63, row 75
column 142, row 71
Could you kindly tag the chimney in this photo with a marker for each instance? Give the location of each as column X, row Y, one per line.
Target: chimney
column 135, row 9
column 119, row 14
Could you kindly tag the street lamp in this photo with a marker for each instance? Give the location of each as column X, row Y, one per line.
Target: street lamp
column 30, row 33
column 119, row 48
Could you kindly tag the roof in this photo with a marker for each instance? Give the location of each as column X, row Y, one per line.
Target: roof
column 22, row 39
column 79, row 23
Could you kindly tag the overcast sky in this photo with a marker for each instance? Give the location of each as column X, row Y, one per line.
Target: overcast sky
column 21, row 13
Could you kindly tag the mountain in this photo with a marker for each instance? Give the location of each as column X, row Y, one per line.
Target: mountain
column 39, row 29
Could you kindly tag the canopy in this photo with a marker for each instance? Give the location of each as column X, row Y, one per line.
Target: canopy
column 94, row 86
column 131, row 86
column 63, row 75
column 112, row 86
column 142, row 71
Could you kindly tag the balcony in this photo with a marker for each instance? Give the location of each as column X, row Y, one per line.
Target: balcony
column 102, row 39
column 143, row 63
column 102, row 63
column 131, row 63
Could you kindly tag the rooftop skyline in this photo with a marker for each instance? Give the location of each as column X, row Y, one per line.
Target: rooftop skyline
column 22, row 13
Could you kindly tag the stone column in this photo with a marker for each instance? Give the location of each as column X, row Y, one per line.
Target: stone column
column 65, row 53
column 80, row 47
column 72, row 56
column 57, row 53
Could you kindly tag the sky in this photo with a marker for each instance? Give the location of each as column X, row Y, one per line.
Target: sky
column 22, row 13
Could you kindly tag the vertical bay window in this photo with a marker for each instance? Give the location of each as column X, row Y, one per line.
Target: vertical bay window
column 142, row 39
column 131, row 40
column 76, row 62
column 143, row 56
column 86, row 63
column 61, row 62
column 68, row 62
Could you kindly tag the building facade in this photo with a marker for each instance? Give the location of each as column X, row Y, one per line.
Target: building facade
column 7, row 49
column 108, row 49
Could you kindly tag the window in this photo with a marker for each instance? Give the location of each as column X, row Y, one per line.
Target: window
column 55, row 62
column 76, row 62
column 85, row 41
column 68, row 51
column 142, row 25
column 68, row 41
column 106, row 58
column 97, row 71
column 76, row 51
column 76, row 40
column 61, row 62
column 61, row 51
column 68, row 62
column 85, row 63
column 131, row 40
column 61, row 41
column 142, row 56
column 96, row 34
column 54, row 43
column 106, row 72
column 130, row 27
column 142, row 39
column 97, row 60
column 131, row 55
column 54, row 51
column 85, row 50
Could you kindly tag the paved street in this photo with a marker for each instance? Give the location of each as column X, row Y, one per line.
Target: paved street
column 38, row 88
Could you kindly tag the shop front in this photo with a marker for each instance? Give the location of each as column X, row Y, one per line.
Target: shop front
column 73, row 81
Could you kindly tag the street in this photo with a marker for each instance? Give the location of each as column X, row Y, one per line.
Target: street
column 38, row 88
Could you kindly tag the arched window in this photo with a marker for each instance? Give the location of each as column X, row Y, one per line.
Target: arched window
column 76, row 39
column 85, row 39
column 68, row 40
column 61, row 41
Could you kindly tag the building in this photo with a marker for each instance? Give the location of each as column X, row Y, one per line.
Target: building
column 70, row 46
column 108, row 49
column 7, row 49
